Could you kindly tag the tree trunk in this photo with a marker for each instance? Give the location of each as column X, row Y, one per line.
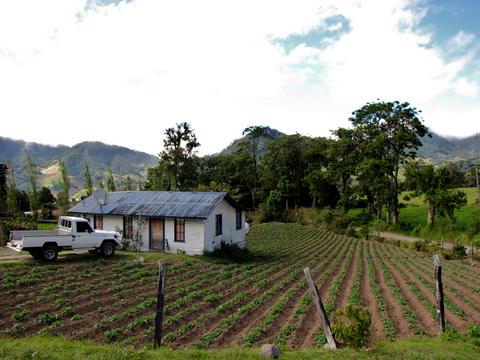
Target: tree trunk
column 431, row 215
column 370, row 209
column 395, row 214
column 379, row 212
column 388, row 213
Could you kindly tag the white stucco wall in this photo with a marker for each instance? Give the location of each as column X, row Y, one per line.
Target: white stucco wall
column 194, row 233
column 230, row 235
column 109, row 222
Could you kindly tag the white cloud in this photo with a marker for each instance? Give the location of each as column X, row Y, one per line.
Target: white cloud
column 123, row 73
column 464, row 87
column 460, row 41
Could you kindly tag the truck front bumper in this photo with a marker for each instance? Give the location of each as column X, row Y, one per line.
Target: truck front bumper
column 14, row 246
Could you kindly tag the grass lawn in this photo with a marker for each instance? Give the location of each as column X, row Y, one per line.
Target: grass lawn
column 458, row 347
column 413, row 218
column 415, row 212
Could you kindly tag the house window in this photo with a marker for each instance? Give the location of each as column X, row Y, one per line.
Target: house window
column 98, row 222
column 128, row 227
column 180, row 230
column 218, row 224
column 238, row 217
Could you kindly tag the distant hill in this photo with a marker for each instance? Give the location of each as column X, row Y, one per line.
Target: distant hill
column 262, row 143
column 437, row 149
column 123, row 161
column 126, row 162
column 461, row 150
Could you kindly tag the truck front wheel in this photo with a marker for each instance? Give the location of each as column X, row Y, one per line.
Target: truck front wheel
column 107, row 249
column 49, row 253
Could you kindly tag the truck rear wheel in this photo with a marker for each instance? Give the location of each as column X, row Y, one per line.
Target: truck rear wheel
column 49, row 253
column 107, row 249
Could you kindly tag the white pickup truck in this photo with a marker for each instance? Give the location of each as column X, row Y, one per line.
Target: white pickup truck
column 71, row 233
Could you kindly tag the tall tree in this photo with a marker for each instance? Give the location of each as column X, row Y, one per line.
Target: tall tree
column 254, row 134
column 32, row 172
column 139, row 183
column 284, row 167
column 342, row 160
column 46, row 201
column 435, row 185
column 13, row 202
column 129, row 184
column 110, row 180
column 179, row 146
column 64, row 194
column 87, row 180
column 3, row 186
column 398, row 129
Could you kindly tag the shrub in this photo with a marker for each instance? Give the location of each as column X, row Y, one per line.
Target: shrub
column 47, row 319
column 326, row 216
column 273, row 209
column 474, row 331
column 420, row 245
column 113, row 334
column 231, row 252
column 352, row 326
column 459, row 252
column 20, row 316
column 364, row 232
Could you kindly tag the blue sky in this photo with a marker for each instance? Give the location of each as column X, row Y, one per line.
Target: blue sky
column 123, row 71
column 447, row 17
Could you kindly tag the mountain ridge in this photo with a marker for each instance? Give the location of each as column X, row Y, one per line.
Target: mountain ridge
column 98, row 155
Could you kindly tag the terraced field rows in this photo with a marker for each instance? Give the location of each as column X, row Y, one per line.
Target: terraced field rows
column 214, row 305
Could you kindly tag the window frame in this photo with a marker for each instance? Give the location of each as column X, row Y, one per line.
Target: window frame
column 179, row 222
column 96, row 222
column 218, row 224
column 238, row 219
column 128, row 234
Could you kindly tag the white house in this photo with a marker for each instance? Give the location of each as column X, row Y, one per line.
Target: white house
column 173, row 221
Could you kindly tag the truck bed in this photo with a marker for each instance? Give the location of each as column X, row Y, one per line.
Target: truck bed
column 19, row 240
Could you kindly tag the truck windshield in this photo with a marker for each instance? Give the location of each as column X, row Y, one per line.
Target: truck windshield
column 83, row 226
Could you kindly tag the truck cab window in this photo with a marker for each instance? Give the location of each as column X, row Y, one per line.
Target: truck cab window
column 83, row 227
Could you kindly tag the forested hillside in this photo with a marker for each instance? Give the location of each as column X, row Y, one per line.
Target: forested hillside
column 99, row 157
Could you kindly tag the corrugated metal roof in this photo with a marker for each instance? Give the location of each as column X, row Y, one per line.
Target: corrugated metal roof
column 193, row 205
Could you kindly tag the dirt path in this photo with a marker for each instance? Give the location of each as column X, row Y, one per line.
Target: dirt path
column 412, row 239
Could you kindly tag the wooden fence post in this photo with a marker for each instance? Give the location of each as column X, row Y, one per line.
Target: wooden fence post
column 437, row 260
column 160, row 299
column 331, row 343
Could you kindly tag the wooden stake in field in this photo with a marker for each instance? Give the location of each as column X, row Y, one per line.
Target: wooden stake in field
column 437, row 260
column 331, row 343
column 160, row 300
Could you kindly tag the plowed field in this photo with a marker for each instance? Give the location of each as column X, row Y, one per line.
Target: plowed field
column 265, row 301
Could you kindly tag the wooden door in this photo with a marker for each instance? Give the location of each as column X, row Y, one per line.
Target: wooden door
column 156, row 234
